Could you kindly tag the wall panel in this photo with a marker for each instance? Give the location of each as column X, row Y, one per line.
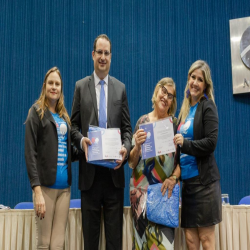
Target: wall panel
column 151, row 39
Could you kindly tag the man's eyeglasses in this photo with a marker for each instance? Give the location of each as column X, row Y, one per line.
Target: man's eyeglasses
column 100, row 52
column 165, row 92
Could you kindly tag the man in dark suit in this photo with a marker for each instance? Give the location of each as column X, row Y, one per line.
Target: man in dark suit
column 101, row 186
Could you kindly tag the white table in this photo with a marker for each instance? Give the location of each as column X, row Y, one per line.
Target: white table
column 17, row 230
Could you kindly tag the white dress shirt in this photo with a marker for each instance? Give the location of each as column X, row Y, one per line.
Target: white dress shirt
column 98, row 93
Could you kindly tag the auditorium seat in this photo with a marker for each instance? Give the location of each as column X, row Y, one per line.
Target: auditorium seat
column 75, row 203
column 245, row 200
column 24, row 205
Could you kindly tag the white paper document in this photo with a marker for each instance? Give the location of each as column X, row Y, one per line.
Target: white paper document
column 106, row 144
column 160, row 135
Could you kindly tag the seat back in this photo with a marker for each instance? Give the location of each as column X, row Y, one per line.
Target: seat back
column 245, row 200
column 24, row 205
column 75, row 203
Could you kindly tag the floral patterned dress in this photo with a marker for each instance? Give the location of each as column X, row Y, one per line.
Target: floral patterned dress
column 148, row 235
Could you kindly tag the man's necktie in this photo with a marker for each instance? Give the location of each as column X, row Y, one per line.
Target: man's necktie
column 102, row 107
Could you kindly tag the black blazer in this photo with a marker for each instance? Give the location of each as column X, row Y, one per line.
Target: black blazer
column 41, row 148
column 85, row 113
column 206, row 125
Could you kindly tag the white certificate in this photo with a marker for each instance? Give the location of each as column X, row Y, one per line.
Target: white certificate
column 106, row 144
column 159, row 141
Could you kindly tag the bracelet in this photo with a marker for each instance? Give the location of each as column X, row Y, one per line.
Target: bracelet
column 175, row 178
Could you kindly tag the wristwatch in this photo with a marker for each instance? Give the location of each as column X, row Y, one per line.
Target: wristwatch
column 175, row 178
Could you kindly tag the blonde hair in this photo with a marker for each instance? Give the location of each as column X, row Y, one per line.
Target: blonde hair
column 42, row 102
column 208, row 92
column 169, row 82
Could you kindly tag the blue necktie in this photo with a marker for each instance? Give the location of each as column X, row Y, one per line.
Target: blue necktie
column 102, row 107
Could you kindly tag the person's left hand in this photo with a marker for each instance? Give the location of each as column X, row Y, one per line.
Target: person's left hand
column 168, row 184
column 122, row 152
column 178, row 139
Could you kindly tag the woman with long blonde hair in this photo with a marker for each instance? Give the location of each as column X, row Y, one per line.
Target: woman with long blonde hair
column 196, row 139
column 48, row 160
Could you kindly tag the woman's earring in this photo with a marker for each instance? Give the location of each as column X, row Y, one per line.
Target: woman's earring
column 187, row 93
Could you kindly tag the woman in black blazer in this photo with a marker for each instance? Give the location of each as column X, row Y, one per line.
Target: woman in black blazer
column 48, row 160
column 197, row 138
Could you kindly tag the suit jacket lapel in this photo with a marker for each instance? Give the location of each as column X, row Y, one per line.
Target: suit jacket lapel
column 49, row 116
column 110, row 99
column 93, row 94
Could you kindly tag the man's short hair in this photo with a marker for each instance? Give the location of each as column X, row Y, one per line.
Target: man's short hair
column 104, row 36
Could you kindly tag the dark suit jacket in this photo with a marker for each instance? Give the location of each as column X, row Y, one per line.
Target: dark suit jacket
column 41, row 149
column 206, row 125
column 85, row 113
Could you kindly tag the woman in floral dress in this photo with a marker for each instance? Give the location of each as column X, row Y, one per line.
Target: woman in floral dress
column 159, row 169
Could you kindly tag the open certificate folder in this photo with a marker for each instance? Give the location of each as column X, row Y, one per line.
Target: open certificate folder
column 106, row 144
column 159, row 141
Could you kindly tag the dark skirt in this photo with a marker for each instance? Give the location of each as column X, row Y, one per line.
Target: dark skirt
column 201, row 205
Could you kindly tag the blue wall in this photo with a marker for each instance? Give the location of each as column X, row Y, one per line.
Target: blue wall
column 151, row 39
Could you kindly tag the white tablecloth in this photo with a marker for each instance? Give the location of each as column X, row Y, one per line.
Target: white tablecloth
column 17, row 230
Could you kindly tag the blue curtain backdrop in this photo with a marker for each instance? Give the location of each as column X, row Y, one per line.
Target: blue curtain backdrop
column 151, row 39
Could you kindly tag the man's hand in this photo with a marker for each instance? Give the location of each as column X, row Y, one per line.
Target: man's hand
column 123, row 152
column 85, row 142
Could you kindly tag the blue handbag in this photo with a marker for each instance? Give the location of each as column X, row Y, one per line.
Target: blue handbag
column 160, row 209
